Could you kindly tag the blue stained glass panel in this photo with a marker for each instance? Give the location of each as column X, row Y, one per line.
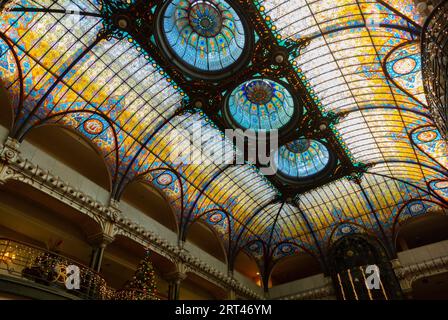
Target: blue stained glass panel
column 205, row 34
column 261, row 104
column 302, row 158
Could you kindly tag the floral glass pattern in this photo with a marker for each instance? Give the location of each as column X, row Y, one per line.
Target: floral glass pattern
column 207, row 35
column 261, row 104
column 302, row 158
column 56, row 71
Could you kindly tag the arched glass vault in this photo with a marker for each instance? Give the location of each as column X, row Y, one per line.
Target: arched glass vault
column 65, row 62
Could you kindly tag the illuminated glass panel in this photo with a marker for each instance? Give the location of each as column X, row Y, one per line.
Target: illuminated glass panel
column 440, row 187
column 403, row 65
column 302, row 158
column 207, row 35
column 363, row 59
column 261, row 104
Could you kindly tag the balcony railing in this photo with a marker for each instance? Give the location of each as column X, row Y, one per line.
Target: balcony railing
column 134, row 294
column 31, row 263
column 47, row 268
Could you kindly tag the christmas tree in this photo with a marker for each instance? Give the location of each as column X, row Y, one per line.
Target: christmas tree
column 143, row 285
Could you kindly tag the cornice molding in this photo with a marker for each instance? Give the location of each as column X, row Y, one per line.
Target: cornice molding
column 13, row 166
column 324, row 292
column 407, row 275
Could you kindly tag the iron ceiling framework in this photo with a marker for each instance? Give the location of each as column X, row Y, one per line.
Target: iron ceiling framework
column 107, row 78
column 266, row 56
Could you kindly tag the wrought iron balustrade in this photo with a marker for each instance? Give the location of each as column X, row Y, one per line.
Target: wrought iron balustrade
column 28, row 262
column 47, row 268
column 134, row 294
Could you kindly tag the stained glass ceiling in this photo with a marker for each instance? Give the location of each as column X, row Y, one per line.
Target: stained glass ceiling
column 63, row 64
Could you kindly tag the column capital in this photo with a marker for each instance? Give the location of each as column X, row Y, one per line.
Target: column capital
column 114, row 211
column 395, row 263
column 100, row 240
column 11, row 149
column 175, row 276
column 115, row 204
column 231, row 295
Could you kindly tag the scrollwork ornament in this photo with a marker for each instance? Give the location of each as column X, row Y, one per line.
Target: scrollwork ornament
column 10, row 150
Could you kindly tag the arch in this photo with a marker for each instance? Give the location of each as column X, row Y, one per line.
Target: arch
column 246, row 264
column 355, row 230
column 124, row 180
column 412, row 228
column 207, row 238
column 377, row 248
column 34, row 216
column 220, row 221
column 147, row 176
column 294, row 267
column 428, row 141
column 21, row 128
column 422, row 209
column 172, row 190
column 200, row 196
column 239, row 237
column 96, row 127
column 74, row 150
column 197, row 287
column 349, row 258
column 152, row 201
column 439, row 189
column 289, row 247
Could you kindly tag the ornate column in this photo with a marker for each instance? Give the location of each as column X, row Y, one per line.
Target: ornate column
column 231, row 295
column 10, row 150
column 174, row 279
column 405, row 283
column 8, row 153
column 99, row 243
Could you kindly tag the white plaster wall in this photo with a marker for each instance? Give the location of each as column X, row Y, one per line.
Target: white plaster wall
column 298, row 286
column 46, row 161
column 423, row 253
column 149, row 223
column 3, row 133
column 248, row 282
column 67, row 174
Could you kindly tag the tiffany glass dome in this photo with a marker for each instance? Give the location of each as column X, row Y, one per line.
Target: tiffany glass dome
column 260, row 104
column 302, row 158
column 204, row 35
